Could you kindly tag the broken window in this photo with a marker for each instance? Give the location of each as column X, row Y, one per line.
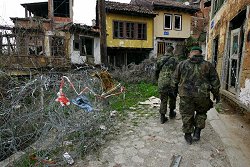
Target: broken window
column 130, row 30
column 177, row 22
column 87, row 46
column 35, row 45
column 8, row 43
column 61, row 8
column 76, row 45
column 168, row 21
column 236, row 42
column 57, row 46
column 234, row 65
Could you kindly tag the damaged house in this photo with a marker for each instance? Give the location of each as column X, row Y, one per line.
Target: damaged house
column 46, row 37
column 130, row 31
column 228, row 48
column 172, row 24
column 85, row 44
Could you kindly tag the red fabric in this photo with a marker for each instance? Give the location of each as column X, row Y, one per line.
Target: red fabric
column 64, row 101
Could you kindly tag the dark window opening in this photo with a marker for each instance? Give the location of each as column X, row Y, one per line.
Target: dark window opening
column 61, row 8
column 35, row 45
column 58, row 46
column 87, row 46
column 215, row 51
column 76, row 45
column 177, row 22
column 168, row 21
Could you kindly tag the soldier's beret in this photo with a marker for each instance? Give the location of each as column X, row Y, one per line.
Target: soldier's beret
column 196, row 48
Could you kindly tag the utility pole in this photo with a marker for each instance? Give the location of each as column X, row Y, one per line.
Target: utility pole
column 102, row 27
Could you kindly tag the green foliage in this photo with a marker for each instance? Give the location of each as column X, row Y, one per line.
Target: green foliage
column 134, row 94
column 24, row 161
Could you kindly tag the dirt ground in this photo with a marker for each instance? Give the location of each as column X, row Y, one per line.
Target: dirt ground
column 144, row 142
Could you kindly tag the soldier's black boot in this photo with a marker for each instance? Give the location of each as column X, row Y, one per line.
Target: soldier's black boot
column 188, row 138
column 172, row 114
column 197, row 134
column 163, row 118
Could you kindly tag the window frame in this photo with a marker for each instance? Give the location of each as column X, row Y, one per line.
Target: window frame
column 171, row 20
column 83, row 46
column 134, row 32
column 178, row 15
column 217, row 4
column 143, row 31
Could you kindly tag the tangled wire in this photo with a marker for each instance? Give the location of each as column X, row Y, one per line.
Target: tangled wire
column 32, row 118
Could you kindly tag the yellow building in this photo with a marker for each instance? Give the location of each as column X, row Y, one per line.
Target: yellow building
column 130, row 30
column 172, row 24
column 228, row 48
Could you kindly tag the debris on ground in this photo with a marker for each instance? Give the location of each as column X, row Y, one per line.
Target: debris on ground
column 54, row 110
column 245, row 93
column 113, row 113
column 176, row 159
column 152, row 101
column 68, row 158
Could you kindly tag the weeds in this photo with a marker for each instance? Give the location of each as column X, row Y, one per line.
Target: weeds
column 134, row 94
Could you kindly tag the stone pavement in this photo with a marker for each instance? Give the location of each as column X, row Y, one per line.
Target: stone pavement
column 144, row 142
column 234, row 134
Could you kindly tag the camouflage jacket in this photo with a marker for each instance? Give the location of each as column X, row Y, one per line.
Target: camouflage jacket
column 165, row 68
column 196, row 77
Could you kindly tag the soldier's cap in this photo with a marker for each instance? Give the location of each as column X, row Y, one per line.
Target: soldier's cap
column 196, row 48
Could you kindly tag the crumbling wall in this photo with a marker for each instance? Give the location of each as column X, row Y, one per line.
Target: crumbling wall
column 219, row 27
column 246, row 59
column 245, row 93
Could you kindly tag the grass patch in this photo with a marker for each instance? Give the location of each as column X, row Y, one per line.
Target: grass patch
column 134, row 94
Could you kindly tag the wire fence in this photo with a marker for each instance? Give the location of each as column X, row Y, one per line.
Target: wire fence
column 33, row 120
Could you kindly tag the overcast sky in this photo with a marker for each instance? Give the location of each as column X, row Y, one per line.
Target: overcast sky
column 84, row 10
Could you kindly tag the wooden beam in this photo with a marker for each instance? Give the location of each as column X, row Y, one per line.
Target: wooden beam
column 26, row 12
column 6, row 28
column 103, row 34
column 8, row 39
column 1, row 43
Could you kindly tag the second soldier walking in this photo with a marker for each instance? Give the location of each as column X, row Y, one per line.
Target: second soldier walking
column 165, row 67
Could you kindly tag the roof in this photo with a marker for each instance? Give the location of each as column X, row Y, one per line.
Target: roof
column 38, row 9
column 128, row 9
column 14, row 19
column 84, row 29
column 168, row 5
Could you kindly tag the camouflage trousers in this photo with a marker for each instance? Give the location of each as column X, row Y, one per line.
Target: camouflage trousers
column 165, row 98
column 194, row 112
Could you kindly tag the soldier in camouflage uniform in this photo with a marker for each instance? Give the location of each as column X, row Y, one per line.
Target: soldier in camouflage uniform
column 195, row 78
column 165, row 68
